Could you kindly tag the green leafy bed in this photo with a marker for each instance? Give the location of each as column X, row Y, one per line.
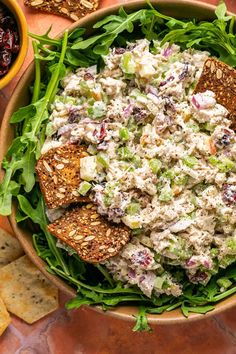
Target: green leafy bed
column 93, row 283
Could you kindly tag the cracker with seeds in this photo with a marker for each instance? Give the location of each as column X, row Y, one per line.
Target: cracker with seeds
column 221, row 79
column 59, row 175
column 26, row 292
column 73, row 9
column 10, row 248
column 92, row 236
column 5, row 318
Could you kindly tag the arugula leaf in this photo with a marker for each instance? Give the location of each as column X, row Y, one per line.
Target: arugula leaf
column 198, row 309
column 23, row 113
column 141, row 321
column 113, row 25
column 24, row 159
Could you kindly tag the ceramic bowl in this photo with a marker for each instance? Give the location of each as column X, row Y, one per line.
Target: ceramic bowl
column 16, row 11
column 178, row 9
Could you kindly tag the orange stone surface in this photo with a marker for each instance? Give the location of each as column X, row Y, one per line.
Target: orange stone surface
column 87, row 332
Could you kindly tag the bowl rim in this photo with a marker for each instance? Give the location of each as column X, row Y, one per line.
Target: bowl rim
column 17, row 12
column 167, row 318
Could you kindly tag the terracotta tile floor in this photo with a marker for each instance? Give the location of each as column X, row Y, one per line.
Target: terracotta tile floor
column 86, row 332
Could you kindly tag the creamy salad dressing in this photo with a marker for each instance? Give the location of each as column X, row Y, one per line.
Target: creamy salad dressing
column 162, row 161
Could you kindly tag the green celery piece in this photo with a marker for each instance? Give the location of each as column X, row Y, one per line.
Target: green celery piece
column 133, row 208
column 195, row 127
column 165, row 196
column 159, row 282
column 224, row 283
column 170, row 174
column 181, row 180
column 231, row 243
column 155, row 165
column 214, row 161
column 126, row 63
column 124, row 153
column 84, row 188
column 103, row 159
column 124, row 134
column 190, row 161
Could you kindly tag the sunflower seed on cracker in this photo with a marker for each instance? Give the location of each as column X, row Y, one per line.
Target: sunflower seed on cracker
column 59, row 182
column 221, row 79
column 95, row 242
column 73, row 9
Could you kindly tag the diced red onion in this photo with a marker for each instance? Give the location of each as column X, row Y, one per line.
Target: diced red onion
column 128, row 110
column 190, row 262
column 153, row 91
column 169, row 79
column 66, row 130
column 195, row 102
column 167, row 52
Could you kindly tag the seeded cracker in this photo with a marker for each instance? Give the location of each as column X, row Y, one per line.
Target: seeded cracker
column 5, row 318
column 26, row 292
column 10, row 248
column 74, row 9
column 59, row 175
column 221, row 79
column 92, row 237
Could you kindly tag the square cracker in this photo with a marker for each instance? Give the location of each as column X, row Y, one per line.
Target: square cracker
column 10, row 248
column 221, row 79
column 59, row 175
column 74, row 9
column 26, row 292
column 94, row 238
column 5, row 318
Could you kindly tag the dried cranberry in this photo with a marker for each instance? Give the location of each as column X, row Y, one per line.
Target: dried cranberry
column 142, row 258
column 225, row 139
column 198, row 277
column 8, row 22
column 229, row 194
column 2, row 33
column 15, row 48
column 190, row 262
column 169, row 79
column 139, row 114
column 16, row 37
column 3, row 71
column 74, row 115
column 103, row 132
column 120, row 50
column 114, row 213
column 5, row 58
column 185, row 72
column 88, row 76
column 8, row 39
column 169, row 105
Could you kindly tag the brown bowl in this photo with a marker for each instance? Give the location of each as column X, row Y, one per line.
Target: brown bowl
column 20, row 97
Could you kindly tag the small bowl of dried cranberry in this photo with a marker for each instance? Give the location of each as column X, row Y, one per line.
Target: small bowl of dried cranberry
column 13, row 40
